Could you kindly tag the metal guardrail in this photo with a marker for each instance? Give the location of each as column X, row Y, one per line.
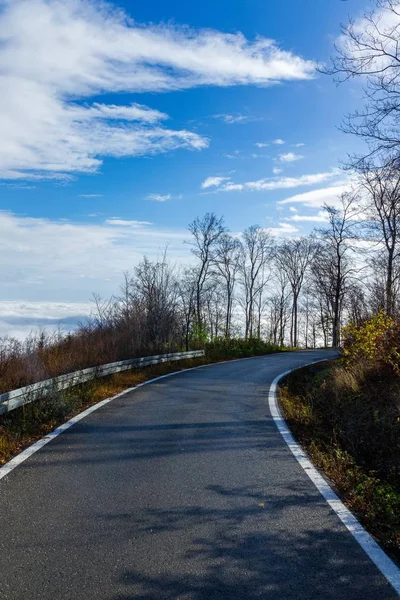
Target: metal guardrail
column 15, row 398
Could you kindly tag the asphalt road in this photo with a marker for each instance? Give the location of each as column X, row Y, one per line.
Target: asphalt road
column 184, row 490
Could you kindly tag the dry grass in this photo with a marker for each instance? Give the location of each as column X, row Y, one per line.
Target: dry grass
column 44, row 356
column 348, row 420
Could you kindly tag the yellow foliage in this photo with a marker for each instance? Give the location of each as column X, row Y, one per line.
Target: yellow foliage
column 364, row 341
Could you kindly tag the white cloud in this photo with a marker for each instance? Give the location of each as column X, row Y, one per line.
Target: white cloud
column 236, row 154
column 90, row 195
column 277, row 183
column 126, row 223
column 159, row 197
column 320, row 217
column 19, row 319
column 293, row 209
column 290, row 157
column 60, row 260
column 234, row 187
column 55, row 54
column 279, row 142
column 232, row 119
column 299, row 145
column 261, row 145
column 283, row 229
column 17, row 186
column 213, row 182
column 317, row 198
column 276, row 170
column 134, row 112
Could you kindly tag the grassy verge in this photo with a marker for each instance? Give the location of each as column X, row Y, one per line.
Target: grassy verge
column 21, row 427
column 348, row 421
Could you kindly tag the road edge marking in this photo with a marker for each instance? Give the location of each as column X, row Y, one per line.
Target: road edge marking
column 381, row 560
column 33, row 448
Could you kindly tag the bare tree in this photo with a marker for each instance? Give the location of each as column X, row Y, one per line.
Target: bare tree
column 382, row 205
column 332, row 267
column 227, row 255
column 187, row 284
column 206, row 232
column 156, row 292
column 256, row 253
column 293, row 257
column 356, row 304
column 307, row 310
column 214, row 305
column 283, row 303
column 261, row 302
column 369, row 48
column 278, row 314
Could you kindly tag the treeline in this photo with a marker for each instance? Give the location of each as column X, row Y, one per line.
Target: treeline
column 294, row 292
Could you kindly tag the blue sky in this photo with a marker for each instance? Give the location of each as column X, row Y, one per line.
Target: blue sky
column 122, row 122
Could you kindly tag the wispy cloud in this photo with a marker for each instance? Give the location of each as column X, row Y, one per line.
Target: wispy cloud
column 78, row 49
column 159, row 197
column 18, row 186
column 276, row 170
column 278, row 142
column 90, row 195
column 233, row 119
column 213, row 182
column 277, row 183
column 289, row 157
column 234, row 154
column 85, row 257
column 317, row 198
column 126, row 223
column 320, row 217
column 261, row 145
column 283, row 229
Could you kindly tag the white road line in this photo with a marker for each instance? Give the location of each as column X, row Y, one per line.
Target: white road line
column 374, row 551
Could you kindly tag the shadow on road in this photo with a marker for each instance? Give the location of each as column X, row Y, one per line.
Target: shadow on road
column 237, row 562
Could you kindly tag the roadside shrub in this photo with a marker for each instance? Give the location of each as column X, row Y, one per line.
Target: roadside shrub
column 368, row 339
column 355, row 407
column 377, row 339
column 347, row 415
column 221, row 348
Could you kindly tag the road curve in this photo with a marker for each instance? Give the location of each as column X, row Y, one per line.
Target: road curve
column 184, row 490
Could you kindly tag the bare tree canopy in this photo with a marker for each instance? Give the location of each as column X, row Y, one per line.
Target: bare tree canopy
column 293, row 257
column 382, row 207
column 368, row 49
column 227, row 260
column 206, row 233
column 332, row 267
column 256, row 254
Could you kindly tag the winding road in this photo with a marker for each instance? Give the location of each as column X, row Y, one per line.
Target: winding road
column 182, row 489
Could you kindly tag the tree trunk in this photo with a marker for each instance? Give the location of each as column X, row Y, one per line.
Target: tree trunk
column 294, row 320
column 389, row 283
